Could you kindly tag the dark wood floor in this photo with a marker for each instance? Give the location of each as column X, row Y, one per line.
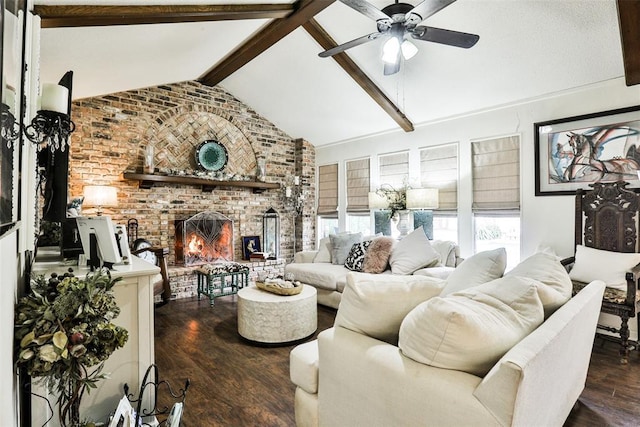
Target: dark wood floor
column 235, row 383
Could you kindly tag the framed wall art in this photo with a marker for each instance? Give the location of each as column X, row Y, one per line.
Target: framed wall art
column 250, row 244
column 573, row 152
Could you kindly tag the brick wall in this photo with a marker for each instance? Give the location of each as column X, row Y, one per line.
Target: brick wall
column 113, row 131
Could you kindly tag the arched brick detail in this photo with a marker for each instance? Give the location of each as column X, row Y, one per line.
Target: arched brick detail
column 177, row 133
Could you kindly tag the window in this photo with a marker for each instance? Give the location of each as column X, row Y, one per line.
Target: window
column 496, row 195
column 394, row 172
column 439, row 169
column 327, row 200
column 358, row 184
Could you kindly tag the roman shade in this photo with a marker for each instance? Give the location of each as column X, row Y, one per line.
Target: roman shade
column 358, row 185
column 496, row 174
column 328, row 189
column 439, row 169
column 394, row 169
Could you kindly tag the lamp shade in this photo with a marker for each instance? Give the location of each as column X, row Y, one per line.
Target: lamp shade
column 100, row 195
column 376, row 201
column 422, row 198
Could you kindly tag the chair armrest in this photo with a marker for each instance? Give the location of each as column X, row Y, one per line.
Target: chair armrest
column 161, row 255
column 568, row 261
column 632, row 277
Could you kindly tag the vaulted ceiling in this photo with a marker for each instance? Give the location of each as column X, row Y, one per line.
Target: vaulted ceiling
column 266, row 54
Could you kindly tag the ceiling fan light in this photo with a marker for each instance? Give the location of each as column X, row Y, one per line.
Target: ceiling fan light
column 390, row 50
column 409, row 50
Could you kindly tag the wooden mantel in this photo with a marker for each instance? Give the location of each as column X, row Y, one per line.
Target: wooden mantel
column 149, row 180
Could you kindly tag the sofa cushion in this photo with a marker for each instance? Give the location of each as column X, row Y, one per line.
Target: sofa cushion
column 471, row 330
column 447, row 251
column 375, row 305
column 324, row 276
column 355, row 259
column 412, row 253
column 341, row 245
column 324, row 250
column 552, row 279
column 479, row 268
column 376, row 259
column 303, row 366
column 440, row 272
column 610, row 267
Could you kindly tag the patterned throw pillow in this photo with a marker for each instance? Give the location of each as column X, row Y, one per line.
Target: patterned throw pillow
column 355, row 259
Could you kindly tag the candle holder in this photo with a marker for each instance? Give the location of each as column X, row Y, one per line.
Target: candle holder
column 10, row 130
column 50, row 127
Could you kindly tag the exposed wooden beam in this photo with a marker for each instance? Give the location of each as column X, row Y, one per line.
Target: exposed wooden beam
column 629, row 19
column 326, row 41
column 267, row 37
column 89, row 16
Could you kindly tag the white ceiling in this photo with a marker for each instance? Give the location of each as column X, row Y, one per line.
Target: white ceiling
column 527, row 49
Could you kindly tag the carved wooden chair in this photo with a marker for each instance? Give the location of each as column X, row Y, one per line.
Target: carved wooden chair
column 157, row 256
column 607, row 219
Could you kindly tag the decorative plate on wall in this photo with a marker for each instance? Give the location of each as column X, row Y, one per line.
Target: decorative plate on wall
column 211, row 155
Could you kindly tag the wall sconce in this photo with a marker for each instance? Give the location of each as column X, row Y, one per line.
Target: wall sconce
column 9, row 128
column 52, row 124
column 100, row 196
column 422, row 198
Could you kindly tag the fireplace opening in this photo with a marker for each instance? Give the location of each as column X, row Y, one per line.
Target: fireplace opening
column 204, row 238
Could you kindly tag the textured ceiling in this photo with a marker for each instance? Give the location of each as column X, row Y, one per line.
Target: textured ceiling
column 527, row 49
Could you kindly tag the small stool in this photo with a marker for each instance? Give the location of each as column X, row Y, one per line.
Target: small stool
column 215, row 282
column 269, row 318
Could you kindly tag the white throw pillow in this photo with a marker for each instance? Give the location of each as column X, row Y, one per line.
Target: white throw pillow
column 412, row 253
column 610, row 267
column 341, row 245
column 471, row 330
column 324, row 250
column 554, row 284
column 480, row 268
column 375, row 305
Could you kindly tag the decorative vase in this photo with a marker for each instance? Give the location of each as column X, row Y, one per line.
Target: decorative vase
column 149, row 163
column 261, row 169
column 404, row 222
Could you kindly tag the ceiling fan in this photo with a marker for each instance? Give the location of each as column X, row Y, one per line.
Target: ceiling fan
column 396, row 23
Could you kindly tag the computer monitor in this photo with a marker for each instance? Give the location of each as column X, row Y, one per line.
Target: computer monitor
column 105, row 236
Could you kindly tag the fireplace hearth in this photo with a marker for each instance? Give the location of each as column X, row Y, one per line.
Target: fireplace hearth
column 204, row 238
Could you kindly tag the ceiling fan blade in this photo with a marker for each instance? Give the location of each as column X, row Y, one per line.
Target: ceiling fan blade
column 349, row 45
column 448, row 37
column 425, row 10
column 367, row 9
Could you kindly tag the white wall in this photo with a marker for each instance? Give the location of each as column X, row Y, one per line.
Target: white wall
column 545, row 220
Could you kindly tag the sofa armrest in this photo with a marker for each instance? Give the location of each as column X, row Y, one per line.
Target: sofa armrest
column 553, row 357
column 304, row 256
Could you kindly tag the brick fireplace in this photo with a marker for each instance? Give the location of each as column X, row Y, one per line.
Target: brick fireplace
column 113, row 131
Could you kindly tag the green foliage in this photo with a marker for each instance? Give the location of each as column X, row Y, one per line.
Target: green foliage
column 63, row 327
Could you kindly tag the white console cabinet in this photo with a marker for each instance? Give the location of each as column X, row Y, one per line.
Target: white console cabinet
column 134, row 295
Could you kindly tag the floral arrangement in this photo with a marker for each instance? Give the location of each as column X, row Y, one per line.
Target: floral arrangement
column 397, row 198
column 63, row 327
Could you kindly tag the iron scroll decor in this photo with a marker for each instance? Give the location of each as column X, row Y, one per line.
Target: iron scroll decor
column 573, row 152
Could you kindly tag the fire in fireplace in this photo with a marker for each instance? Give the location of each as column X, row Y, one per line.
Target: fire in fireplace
column 205, row 237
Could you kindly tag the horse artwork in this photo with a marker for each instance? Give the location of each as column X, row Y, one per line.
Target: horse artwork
column 602, row 153
column 574, row 152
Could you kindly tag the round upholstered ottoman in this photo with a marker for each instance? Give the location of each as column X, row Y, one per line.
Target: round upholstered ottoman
column 275, row 319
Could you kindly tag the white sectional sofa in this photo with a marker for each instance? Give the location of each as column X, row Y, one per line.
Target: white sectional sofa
column 391, row 361
column 330, row 279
